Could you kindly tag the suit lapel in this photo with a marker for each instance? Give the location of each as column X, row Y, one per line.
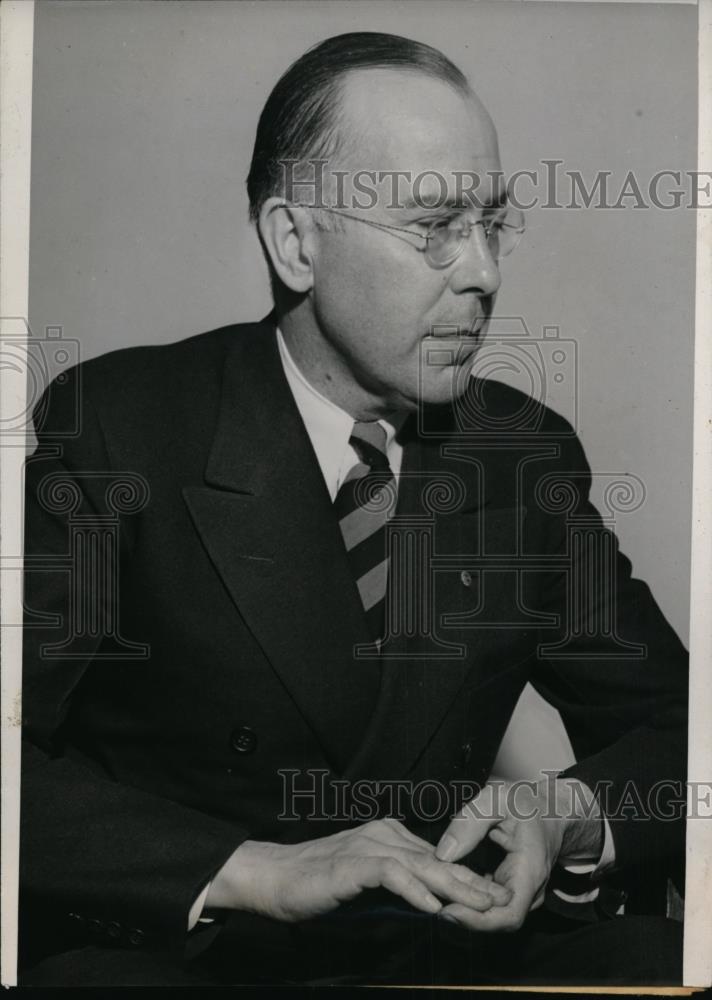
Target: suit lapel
column 267, row 523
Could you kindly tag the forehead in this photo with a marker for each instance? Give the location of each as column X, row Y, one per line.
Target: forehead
column 406, row 120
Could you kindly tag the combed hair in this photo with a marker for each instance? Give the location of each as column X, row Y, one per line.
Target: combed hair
column 299, row 122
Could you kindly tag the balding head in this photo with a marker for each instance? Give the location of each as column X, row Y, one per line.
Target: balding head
column 302, row 119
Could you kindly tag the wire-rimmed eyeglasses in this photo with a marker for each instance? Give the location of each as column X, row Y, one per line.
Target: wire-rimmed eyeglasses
column 445, row 238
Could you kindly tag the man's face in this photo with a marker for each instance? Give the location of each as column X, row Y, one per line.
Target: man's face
column 378, row 305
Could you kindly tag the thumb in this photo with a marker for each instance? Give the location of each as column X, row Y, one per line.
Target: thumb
column 470, row 825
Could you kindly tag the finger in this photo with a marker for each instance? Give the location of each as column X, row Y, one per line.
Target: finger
column 448, row 881
column 394, row 876
column 484, row 883
column 443, row 878
column 501, row 837
column 444, row 881
column 470, row 825
column 514, row 873
column 498, row 919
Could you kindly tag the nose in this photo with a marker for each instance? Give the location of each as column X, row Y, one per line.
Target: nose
column 475, row 270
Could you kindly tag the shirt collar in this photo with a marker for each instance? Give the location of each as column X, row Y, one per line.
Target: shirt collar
column 328, row 426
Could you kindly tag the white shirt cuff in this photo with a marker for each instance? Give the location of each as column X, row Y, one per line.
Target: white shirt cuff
column 197, row 908
column 592, row 869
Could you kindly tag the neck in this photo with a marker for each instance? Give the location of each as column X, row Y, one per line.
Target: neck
column 326, row 369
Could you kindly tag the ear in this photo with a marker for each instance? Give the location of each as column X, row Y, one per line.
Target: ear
column 286, row 235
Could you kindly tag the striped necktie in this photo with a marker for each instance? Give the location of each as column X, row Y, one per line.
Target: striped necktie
column 363, row 505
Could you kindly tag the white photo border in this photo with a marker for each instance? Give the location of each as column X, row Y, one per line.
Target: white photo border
column 16, row 62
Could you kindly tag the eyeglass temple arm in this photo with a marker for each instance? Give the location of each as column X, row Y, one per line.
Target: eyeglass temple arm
column 357, row 218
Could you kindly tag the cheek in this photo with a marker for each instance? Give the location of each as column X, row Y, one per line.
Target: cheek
column 395, row 274
column 388, row 297
column 401, row 303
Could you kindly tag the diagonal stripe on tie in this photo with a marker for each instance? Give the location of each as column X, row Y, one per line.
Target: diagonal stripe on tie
column 363, row 506
column 372, row 585
column 359, row 525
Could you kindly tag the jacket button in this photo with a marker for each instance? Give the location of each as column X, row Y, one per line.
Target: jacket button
column 244, row 740
column 135, row 937
column 466, row 753
column 466, row 578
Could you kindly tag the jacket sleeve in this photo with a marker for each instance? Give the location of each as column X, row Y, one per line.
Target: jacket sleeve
column 612, row 666
column 100, row 862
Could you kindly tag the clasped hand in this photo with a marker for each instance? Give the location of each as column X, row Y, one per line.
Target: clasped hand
column 293, row 882
column 536, row 824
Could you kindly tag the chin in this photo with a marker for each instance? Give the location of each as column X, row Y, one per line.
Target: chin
column 449, row 384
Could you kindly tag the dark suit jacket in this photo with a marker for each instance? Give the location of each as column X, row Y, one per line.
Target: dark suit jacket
column 166, row 713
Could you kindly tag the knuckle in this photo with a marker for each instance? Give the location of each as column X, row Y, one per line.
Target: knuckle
column 390, row 867
column 459, row 872
column 412, row 883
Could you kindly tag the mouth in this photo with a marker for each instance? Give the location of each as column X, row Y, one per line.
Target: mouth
column 469, row 329
column 451, row 346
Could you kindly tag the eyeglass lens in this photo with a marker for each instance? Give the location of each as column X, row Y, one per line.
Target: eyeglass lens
column 447, row 239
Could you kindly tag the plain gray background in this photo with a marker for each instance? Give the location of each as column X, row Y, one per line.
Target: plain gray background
column 143, row 122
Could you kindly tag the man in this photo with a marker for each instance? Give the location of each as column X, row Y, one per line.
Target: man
column 289, row 580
